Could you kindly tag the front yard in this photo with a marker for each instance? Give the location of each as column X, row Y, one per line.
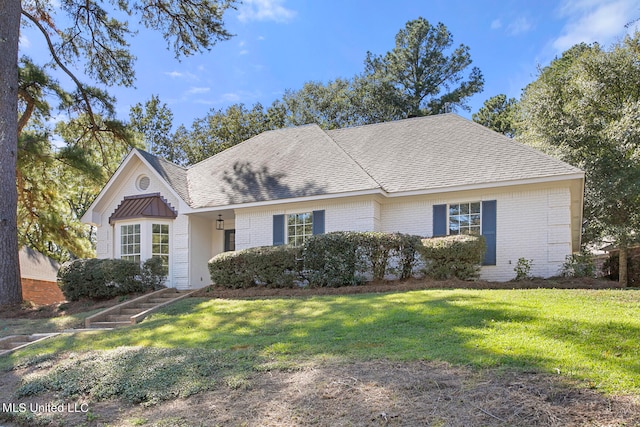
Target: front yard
column 440, row 357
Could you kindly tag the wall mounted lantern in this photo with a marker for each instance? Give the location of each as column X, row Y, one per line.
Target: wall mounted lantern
column 220, row 223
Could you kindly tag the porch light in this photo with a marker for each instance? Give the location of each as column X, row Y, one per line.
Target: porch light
column 220, row 223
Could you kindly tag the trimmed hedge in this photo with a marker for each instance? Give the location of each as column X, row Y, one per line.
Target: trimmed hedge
column 347, row 258
column 457, row 256
column 270, row 266
column 332, row 259
column 108, row 278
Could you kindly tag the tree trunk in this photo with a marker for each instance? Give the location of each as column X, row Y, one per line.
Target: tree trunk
column 622, row 265
column 10, row 287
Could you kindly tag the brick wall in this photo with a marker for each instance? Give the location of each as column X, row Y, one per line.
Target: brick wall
column 41, row 292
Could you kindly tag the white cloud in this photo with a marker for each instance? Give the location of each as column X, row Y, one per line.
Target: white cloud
column 519, row 26
column 198, row 90
column 265, row 10
column 180, row 75
column 496, row 24
column 590, row 21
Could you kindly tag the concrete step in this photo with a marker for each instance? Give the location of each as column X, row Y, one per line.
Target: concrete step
column 134, row 310
column 160, row 300
column 131, row 310
column 145, row 305
column 107, row 325
column 118, row 318
column 13, row 344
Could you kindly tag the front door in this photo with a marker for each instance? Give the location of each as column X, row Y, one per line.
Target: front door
column 229, row 240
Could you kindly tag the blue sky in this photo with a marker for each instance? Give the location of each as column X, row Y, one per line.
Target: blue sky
column 281, row 44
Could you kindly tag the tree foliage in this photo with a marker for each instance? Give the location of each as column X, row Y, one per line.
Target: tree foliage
column 153, row 122
column 417, row 77
column 585, row 108
column 498, row 113
column 97, row 40
column 426, row 79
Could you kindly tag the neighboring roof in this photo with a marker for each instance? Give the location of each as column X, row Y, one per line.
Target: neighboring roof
column 143, row 206
column 431, row 153
column 37, row 266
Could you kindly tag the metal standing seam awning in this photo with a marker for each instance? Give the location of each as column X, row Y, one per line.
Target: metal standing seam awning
column 143, row 206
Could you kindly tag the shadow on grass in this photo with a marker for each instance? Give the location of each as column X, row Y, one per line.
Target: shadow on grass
column 463, row 328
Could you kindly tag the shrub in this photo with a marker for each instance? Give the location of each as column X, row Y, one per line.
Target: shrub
column 270, row 266
column 106, row 278
column 346, row 258
column 154, row 273
column 523, row 269
column 579, row 265
column 457, row 256
column 331, row 259
column 379, row 250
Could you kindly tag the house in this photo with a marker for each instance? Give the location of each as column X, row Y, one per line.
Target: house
column 39, row 277
column 426, row 176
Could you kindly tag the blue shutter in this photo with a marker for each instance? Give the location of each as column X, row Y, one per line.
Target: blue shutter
column 439, row 220
column 278, row 230
column 318, row 222
column 489, row 230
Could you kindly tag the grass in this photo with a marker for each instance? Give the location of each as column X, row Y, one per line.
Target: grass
column 589, row 335
column 54, row 324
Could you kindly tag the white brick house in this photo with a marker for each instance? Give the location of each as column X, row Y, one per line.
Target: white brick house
column 426, row 176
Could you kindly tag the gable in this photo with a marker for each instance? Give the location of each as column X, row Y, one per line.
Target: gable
column 126, row 182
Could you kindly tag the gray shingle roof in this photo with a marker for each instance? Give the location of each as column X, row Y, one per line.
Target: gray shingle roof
column 175, row 175
column 419, row 154
column 442, row 151
column 279, row 164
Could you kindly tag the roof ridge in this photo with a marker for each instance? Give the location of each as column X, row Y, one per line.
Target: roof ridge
column 430, row 117
column 326, row 132
column 233, row 147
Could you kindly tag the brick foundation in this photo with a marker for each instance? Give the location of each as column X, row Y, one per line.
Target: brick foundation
column 41, row 292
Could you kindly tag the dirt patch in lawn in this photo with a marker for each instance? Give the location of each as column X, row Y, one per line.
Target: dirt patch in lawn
column 373, row 393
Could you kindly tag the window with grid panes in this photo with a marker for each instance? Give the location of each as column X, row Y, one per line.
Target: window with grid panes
column 465, row 218
column 300, row 228
column 130, row 242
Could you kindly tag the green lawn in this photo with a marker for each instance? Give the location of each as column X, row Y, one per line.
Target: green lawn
column 589, row 335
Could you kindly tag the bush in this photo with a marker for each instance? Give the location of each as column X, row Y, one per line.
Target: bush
column 579, row 265
column 154, row 273
column 457, row 256
column 107, row 278
column 523, row 269
column 346, row 258
column 270, row 266
column 332, row 259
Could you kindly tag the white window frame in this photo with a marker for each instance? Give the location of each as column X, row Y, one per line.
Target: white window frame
column 146, row 238
column 468, row 214
column 131, row 233
column 164, row 246
column 306, row 226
